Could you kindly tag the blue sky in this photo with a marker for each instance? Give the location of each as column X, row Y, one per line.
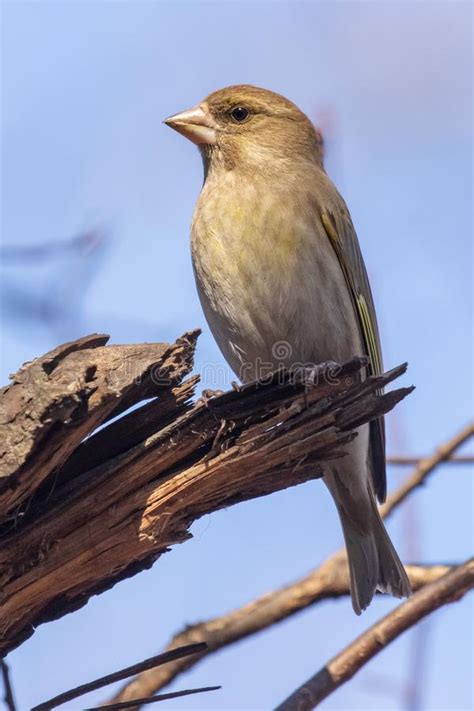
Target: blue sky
column 85, row 86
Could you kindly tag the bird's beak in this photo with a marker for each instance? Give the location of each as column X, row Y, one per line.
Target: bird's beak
column 196, row 124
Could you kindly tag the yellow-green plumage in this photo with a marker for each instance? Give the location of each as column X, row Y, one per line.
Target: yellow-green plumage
column 265, row 277
column 277, row 260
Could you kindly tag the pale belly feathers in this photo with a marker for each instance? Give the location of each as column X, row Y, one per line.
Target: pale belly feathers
column 269, row 282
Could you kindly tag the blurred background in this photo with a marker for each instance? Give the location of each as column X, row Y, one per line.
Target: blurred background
column 97, row 198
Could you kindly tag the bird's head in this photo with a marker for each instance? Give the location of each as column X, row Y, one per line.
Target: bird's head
column 250, row 128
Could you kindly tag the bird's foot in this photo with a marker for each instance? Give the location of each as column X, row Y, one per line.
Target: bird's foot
column 312, row 375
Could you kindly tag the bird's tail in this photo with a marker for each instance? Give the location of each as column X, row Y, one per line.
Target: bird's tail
column 373, row 561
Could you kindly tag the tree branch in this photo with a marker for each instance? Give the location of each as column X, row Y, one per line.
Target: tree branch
column 150, row 663
column 82, row 509
column 425, row 468
column 7, row 687
column 449, row 588
column 400, row 460
column 329, row 580
column 154, row 699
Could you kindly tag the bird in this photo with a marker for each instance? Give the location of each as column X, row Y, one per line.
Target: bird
column 281, row 280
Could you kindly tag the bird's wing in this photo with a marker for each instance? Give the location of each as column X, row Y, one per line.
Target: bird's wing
column 340, row 230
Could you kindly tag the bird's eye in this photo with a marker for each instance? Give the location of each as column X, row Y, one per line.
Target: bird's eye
column 240, row 114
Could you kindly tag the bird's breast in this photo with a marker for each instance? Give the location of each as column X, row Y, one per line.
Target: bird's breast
column 246, row 237
column 263, row 276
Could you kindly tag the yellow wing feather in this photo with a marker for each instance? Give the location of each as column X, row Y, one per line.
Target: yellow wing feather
column 341, row 233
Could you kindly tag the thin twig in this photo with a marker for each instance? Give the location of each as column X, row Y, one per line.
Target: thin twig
column 152, row 699
column 414, row 461
column 451, row 587
column 424, row 468
column 329, row 580
column 157, row 660
column 7, row 687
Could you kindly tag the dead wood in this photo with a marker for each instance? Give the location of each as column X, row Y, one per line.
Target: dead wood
column 82, row 509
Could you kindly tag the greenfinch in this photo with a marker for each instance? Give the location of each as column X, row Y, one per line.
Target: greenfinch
column 282, row 282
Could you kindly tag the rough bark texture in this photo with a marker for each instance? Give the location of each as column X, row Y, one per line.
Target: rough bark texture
column 81, row 509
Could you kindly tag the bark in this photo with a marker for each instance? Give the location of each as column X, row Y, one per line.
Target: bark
column 82, row 509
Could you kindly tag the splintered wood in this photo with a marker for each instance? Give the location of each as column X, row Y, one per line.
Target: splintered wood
column 89, row 495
